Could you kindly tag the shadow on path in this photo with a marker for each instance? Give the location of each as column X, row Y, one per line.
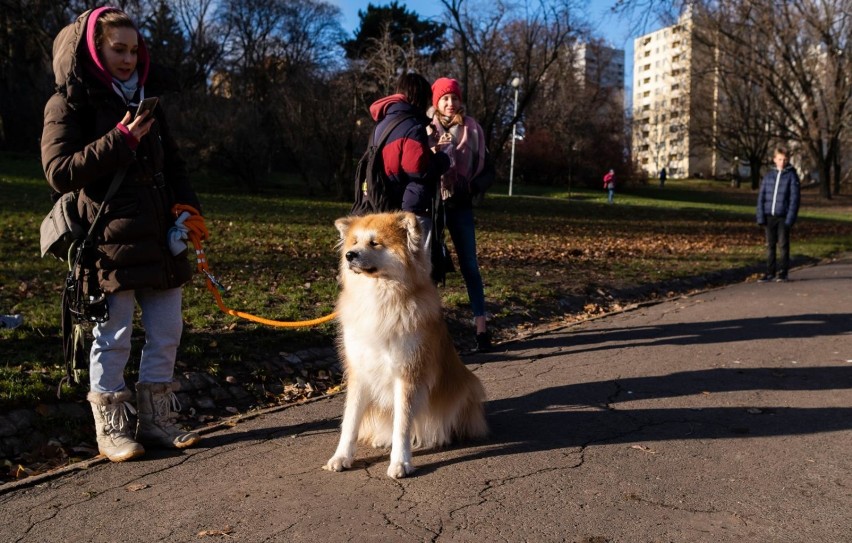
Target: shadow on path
column 679, row 334
column 580, row 415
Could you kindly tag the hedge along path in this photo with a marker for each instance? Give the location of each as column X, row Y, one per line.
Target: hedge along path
column 197, row 233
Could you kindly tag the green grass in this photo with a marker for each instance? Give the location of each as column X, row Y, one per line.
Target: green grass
column 544, row 255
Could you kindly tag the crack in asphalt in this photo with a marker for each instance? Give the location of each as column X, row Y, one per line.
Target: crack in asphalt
column 635, row 497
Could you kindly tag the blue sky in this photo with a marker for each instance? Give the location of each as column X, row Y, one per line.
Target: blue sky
column 612, row 28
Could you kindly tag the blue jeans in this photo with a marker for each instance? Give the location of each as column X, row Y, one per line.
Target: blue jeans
column 610, row 195
column 163, row 323
column 463, row 234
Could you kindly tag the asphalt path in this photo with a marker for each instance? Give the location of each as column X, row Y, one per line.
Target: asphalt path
column 721, row 416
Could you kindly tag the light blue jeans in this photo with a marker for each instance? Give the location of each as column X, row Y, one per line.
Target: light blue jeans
column 163, row 323
column 462, row 231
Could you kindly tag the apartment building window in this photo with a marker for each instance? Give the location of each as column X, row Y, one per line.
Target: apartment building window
column 675, row 101
column 676, row 72
column 646, row 107
column 646, row 94
column 676, row 44
column 644, row 161
column 646, row 134
column 646, row 67
column 646, row 41
column 675, row 86
column 644, row 148
column 646, row 80
column 676, row 58
column 647, row 53
column 674, row 157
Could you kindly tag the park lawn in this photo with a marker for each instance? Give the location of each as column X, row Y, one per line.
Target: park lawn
column 546, row 255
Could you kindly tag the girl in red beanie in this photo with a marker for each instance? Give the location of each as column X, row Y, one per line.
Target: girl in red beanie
column 451, row 125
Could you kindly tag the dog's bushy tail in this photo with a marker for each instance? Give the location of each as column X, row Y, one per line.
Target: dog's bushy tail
column 471, row 423
column 460, row 418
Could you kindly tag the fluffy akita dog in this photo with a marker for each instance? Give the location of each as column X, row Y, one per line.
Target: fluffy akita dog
column 406, row 385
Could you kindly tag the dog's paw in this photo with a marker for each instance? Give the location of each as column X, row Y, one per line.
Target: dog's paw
column 398, row 470
column 338, row 463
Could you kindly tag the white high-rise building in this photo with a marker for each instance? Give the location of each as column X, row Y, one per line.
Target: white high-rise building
column 673, row 84
column 602, row 67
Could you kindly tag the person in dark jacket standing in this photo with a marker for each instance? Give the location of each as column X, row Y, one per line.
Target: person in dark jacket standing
column 412, row 168
column 777, row 210
column 101, row 67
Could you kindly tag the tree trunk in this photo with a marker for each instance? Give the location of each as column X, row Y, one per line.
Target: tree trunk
column 754, row 165
column 837, row 173
column 825, row 180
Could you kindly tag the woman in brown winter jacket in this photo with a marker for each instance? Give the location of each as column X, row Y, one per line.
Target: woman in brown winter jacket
column 90, row 133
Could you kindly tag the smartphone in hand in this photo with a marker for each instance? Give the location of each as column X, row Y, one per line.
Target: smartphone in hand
column 148, row 104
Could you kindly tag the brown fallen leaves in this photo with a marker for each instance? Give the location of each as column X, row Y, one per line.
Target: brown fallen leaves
column 226, row 531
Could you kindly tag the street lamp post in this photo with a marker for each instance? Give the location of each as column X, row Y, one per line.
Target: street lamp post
column 516, row 82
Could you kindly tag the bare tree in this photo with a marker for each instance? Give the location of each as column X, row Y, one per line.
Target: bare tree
column 804, row 72
column 580, row 114
column 204, row 39
column 276, row 62
column 741, row 111
column 495, row 44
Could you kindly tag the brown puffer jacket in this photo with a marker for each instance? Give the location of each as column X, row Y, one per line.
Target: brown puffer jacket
column 81, row 148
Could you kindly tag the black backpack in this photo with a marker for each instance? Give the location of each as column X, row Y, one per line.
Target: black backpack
column 372, row 191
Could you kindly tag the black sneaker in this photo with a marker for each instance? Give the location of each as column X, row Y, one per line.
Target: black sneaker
column 768, row 278
column 483, row 342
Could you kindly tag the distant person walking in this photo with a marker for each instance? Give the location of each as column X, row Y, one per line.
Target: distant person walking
column 663, row 178
column 609, row 185
column 777, row 210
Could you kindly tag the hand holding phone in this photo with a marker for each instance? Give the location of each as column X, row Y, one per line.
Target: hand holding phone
column 147, row 105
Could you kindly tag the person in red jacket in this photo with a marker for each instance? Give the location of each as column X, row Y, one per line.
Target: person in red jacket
column 609, row 184
column 413, row 170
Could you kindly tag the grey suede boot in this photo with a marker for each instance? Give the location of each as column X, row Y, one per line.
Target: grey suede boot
column 113, row 425
column 157, row 421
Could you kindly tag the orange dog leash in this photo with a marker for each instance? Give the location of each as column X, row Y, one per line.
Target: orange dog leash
column 197, row 233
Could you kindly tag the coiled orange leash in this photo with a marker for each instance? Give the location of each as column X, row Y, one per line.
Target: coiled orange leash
column 197, row 233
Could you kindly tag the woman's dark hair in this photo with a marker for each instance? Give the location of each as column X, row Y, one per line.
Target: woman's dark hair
column 416, row 90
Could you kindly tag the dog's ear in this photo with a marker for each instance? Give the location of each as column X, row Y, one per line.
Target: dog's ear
column 343, row 225
column 409, row 222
